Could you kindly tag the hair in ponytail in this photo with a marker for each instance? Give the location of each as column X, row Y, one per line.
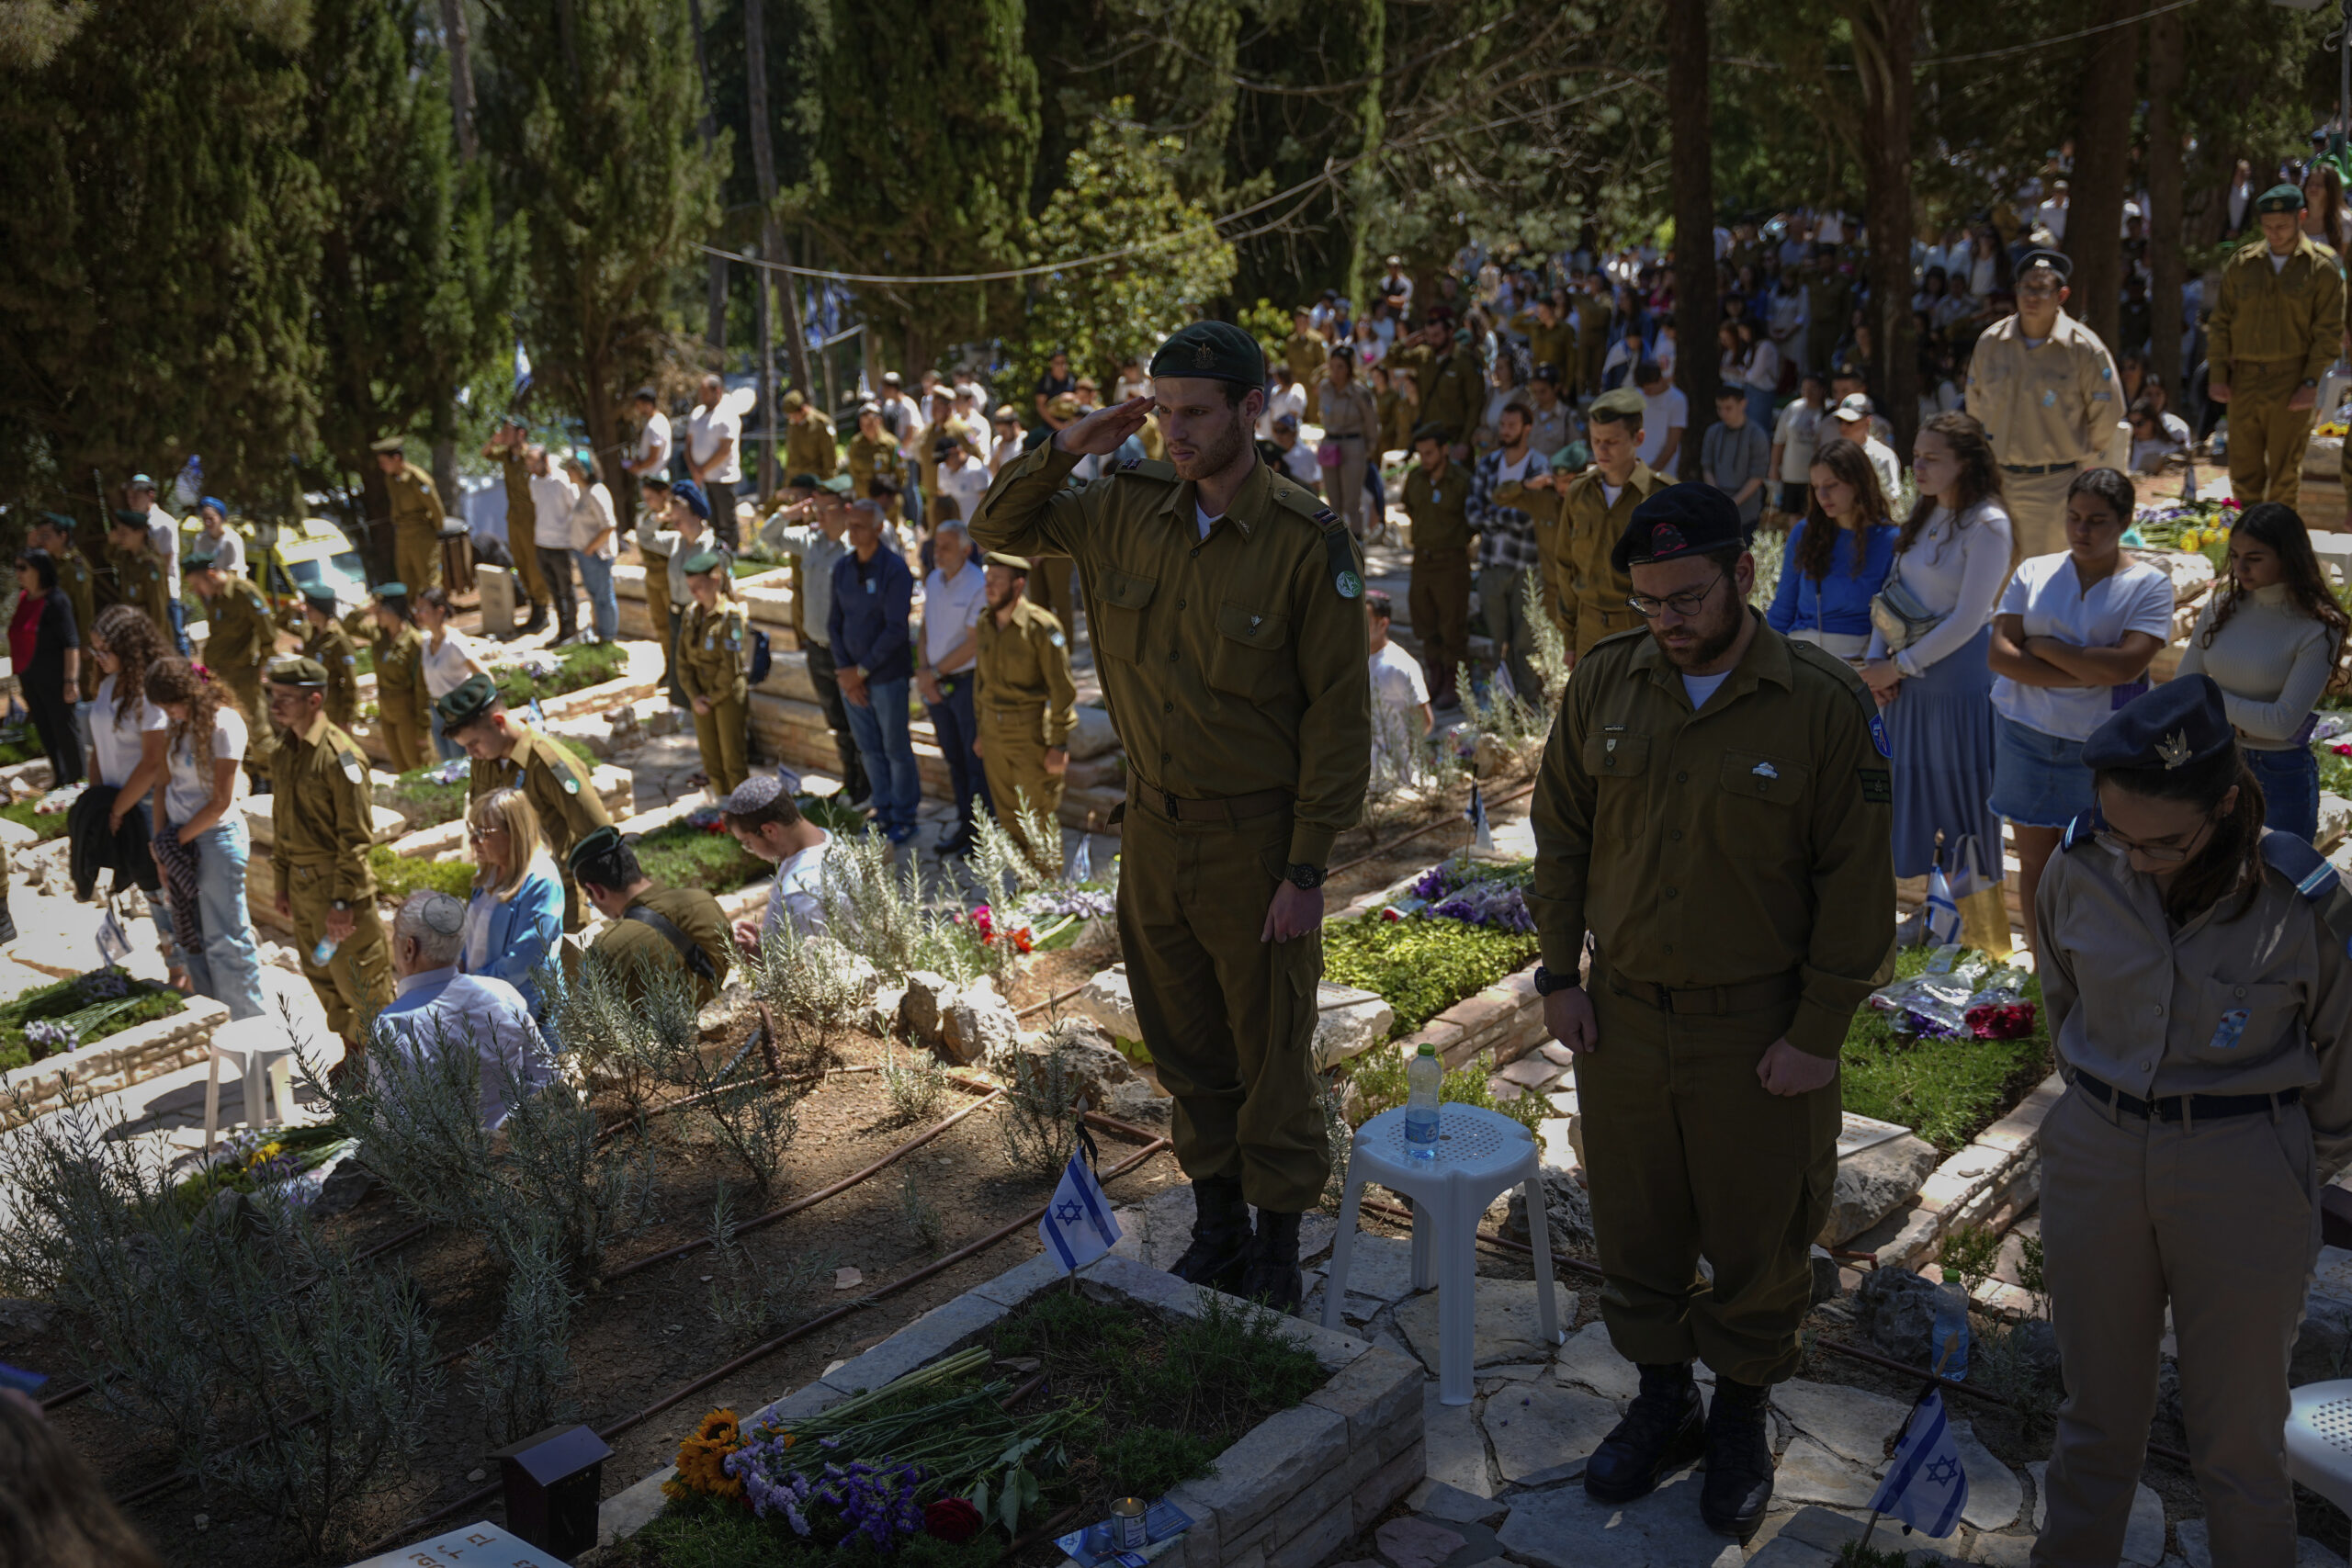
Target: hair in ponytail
column 177, row 679
column 2230, row 864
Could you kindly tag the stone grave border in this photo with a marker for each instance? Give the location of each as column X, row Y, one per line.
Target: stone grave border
column 117, row 1062
column 1288, row 1493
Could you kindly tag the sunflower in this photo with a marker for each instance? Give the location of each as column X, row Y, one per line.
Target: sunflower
column 702, row 1460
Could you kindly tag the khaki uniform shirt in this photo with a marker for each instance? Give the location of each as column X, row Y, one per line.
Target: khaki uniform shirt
column 242, row 637
column 1352, row 413
column 1456, row 395
column 2249, row 1005
column 1232, row 663
column 331, row 647
column 1555, row 345
column 557, row 784
column 710, row 654
column 321, row 810
column 400, row 680
column 2058, row 403
column 1026, row 665
column 1394, row 435
column 1573, row 541
column 1723, row 848
column 629, row 945
column 1305, row 352
column 2293, row 313
column 1439, row 509
column 417, row 506
column 74, row 576
column 522, row 511
column 869, row 460
column 810, row 448
column 141, row 576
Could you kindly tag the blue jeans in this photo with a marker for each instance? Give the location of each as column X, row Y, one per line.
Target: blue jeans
column 177, row 610
column 954, row 724
column 2290, row 789
column 880, row 729
column 443, row 748
column 1760, row 407
column 604, row 610
column 229, row 968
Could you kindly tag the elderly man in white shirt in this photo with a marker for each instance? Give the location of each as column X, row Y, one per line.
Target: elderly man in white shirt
column 714, row 456
column 435, row 1010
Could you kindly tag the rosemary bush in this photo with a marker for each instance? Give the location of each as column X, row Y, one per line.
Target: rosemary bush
column 915, row 1086
column 521, row 1376
column 814, row 987
column 922, row 1220
column 1038, row 1126
column 746, row 1301
column 873, row 904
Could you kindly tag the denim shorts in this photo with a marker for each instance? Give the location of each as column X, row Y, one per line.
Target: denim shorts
column 2039, row 780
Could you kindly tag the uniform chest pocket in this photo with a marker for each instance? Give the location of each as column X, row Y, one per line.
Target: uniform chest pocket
column 1252, row 654
column 1618, row 756
column 2242, row 1020
column 1119, row 601
column 1759, row 799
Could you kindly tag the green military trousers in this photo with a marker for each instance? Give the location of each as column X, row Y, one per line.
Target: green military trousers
column 1012, row 760
column 1229, row 1019
column 354, row 985
column 1687, row 1154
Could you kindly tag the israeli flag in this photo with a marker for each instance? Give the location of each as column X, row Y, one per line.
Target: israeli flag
column 189, row 486
column 1077, row 1226
column 1477, row 815
column 522, row 368
column 1943, row 910
column 1081, row 864
column 1925, row 1487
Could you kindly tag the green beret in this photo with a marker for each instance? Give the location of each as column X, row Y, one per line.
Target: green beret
column 701, row 562
column 59, row 521
column 2280, row 198
column 1615, row 408
column 1427, row 432
column 391, row 591
column 1218, row 351
column 321, row 595
column 1009, row 562
column 197, row 560
column 296, row 670
column 390, row 444
column 839, row 484
column 596, row 843
column 125, row 518
column 804, row 481
column 473, row 697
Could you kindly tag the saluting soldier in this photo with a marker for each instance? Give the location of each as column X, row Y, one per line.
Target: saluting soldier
column 509, row 447
column 1576, row 539
column 1457, row 391
column 508, row 753
column 241, row 644
column 1436, row 499
column 2043, row 386
column 650, row 926
column 53, row 532
column 874, row 455
column 322, row 827
column 138, row 574
column 1713, row 811
column 403, row 707
column 325, row 639
column 2277, row 327
column 1027, row 707
column 710, row 671
column 1228, row 626
column 1550, row 340
column 416, row 515
column 2193, row 966
column 809, row 447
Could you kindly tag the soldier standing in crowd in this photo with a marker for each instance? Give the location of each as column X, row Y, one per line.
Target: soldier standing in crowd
column 322, row 827
column 403, row 708
column 160, row 542
column 325, row 640
column 2043, row 388
column 240, row 646
column 649, row 926
column 711, row 669
column 2278, row 326
column 809, row 447
column 873, row 457
column 1550, row 340
column 509, row 449
column 1027, row 707
column 510, row 754
column 53, row 532
column 1457, row 391
column 416, row 515
column 1436, row 499
column 1713, row 812
column 1305, row 352
column 1226, row 606
column 137, row 571
column 1585, row 589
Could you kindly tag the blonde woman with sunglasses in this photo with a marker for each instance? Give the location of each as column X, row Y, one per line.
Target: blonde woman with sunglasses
column 515, row 912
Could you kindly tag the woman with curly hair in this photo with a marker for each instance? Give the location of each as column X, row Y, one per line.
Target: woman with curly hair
column 202, row 843
column 126, row 761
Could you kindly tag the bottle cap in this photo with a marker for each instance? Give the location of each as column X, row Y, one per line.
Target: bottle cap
column 1427, row 1049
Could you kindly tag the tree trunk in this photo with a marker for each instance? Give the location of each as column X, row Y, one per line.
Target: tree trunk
column 1691, row 175
column 2102, row 163
column 715, row 332
column 459, row 41
column 2167, row 227
column 1884, row 35
column 773, row 247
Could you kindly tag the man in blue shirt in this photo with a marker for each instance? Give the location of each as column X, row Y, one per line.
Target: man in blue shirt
column 873, row 598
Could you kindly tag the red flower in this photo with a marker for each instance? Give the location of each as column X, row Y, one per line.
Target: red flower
column 952, row 1519
column 2342, row 751
column 1020, row 941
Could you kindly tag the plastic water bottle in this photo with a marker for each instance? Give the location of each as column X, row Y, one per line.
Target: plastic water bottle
column 1949, row 1355
column 1422, row 1080
column 325, row 952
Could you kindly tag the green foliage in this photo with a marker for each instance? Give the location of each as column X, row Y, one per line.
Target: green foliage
column 1420, row 967
column 398, row 876
column 579, row 666
column 1854, row 1555
column 683, row 855
column 45, row 826
column 1970, row 1255
column 1946, row 1090
column 93, row 1019
column 1378, row 1077
column 701, row 1533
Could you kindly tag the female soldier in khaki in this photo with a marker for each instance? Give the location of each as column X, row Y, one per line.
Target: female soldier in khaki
column 2195, row 971
column 710, row 671
column 402, row 706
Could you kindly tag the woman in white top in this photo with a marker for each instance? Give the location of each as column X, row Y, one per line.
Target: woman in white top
column 2271, row 639
column 447, row 659
column 127, row 736
column 2070, row 645
column 1759, row 371
column 594, row 545
column 1951, row 559
column 201, row 838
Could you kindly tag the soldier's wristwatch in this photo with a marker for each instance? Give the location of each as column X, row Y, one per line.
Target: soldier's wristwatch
column 1546, row 982
column 1304, row 876
column 341, row 906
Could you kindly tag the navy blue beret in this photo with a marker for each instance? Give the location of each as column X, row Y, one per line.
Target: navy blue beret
column 2170, row 726
column 691, row 493
column 1680, row 520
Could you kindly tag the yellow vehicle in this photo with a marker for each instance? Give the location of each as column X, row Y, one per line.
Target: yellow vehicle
column 286, row 559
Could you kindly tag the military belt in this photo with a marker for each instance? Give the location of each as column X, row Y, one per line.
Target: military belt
column 1224, row 809
column 2033, row 468
column 2184, row 1108
column 1689, row 999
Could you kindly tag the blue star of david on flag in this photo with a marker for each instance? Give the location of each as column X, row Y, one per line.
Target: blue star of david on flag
column 1077, row 1226
column 1925, row 1486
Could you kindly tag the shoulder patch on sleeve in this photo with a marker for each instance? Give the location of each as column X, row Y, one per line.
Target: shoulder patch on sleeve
column 2295, row 860
column 352, row 769
column 2083, row 831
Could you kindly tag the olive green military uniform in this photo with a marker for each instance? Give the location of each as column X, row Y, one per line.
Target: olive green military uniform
column 1592, row 341
column 1438, row 600
column 1555, row 345
column 1395, row 434
column 2274, row 332
column 2049, row 409
column 869, row 460
column 74, row 576
column 333, row 647
column 1027, row 703
column 321, row 826
column 560, row 789
column 810, row 448
column 522, row 524
column 710, row 666
column 140, row 578
column 632, row 946
column 1584, row 592
column 417, row 529
column 1234, row 666
column 1453, row 397
column 239, row 647
column 1733, row 867
column 403, row 710
column 1417, row 362
column 1305, row 354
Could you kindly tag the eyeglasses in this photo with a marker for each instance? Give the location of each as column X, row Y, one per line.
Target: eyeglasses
column 2161, row 854
column 478, row 834
column 1685, row 603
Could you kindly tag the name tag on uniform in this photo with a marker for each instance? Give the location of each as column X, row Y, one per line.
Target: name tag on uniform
column 869, row 587
column 1761, row 770
column 2049, row 398
column 2230, row 1030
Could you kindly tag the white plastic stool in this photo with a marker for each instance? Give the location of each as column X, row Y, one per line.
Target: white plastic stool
column 259, row 1049
column 1479, row 1153
column 2319, row 1440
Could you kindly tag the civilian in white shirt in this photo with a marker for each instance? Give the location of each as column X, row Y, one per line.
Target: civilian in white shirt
column 224, row 544
column 714, row 454
column 594, row 543
column 766, row 821
column 652, row 453
column 164, row 540
column 1794, row 439
column 2156, row 434
column 1852, row 415
column 445, row 658
column 551, row 499
column 947, row 670
column 1298, row 458
column 1666, row 415
column 962, row 477
column 1401, row 719
column 201, row 842
column 1287, row 398
column 1004, row 439
column 436, row 1010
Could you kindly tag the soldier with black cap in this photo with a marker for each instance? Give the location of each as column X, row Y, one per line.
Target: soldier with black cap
column 416, row 514
column 1226, row 610
column 650, row 926
column 1026, row 709
column 711, row 676
column 2043, row 386
column 2194, row 970
column 321, row 826
column 2277, row 327
column 242, row 642
column 1712, row 813
column 325, row 639
column 403, row 707
column 809, row 445
column 1437, row 501
column 508, row 753
column 138, row 574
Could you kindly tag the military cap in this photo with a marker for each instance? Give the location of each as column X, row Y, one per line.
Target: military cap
column 142, row 481
column 319, row 594
column 1427, row 432
column 391, row 591
column 804, row 481
column 2167, row 726
column 1062, row 407
column 793, row 400
column 2058, row 262
column 59, row 521
column 701, row 562
column 197, row 560
column 2280, row 198
column 839, row 484
column 598, row 843
column 755, row 794
column 1615, row 408
column 1009, row 562
column 1215, row 351
column 944, row 447
column 474, row 697
column 126, row 518
column 1680, row 520
column 296, row 670
column 690, row 493
column 643, row 395
column 390, row 444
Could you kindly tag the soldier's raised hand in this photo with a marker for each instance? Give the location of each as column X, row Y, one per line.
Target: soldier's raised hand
column 1099, row 433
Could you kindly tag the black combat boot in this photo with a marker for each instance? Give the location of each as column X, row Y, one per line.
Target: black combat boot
column 1738, row 1485
column 1220, row 1236
column 537, row 623
column 1664, row 1430
column 1271, row 1275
